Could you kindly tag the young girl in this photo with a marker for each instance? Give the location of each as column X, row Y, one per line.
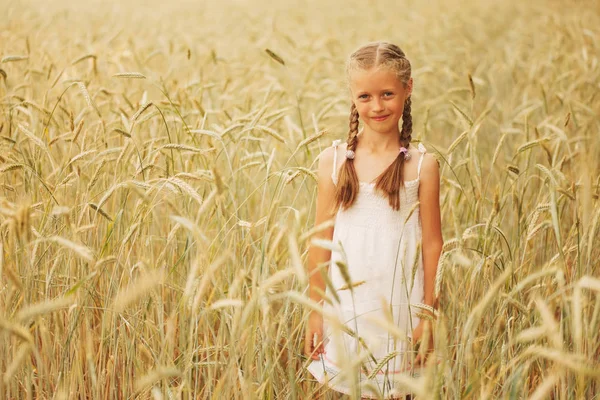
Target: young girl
column 383, row 194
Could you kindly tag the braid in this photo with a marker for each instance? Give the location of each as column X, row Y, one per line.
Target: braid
column 353, row 131
column 347, row 187
column 406, row 133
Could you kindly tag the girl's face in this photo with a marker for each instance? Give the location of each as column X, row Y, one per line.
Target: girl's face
column 379, row 97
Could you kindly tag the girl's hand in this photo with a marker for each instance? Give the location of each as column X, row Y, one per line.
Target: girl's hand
column 314, row 327
column 417, row 339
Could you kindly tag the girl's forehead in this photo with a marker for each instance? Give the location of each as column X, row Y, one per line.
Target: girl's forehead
column 373, row 78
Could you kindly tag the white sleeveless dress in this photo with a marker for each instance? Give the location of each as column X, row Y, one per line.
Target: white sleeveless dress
column 382, row 250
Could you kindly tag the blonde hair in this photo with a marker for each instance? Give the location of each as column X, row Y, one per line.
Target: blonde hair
column 371, row 55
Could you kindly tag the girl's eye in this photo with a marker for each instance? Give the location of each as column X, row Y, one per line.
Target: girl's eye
column 388, row 94
column 362, row 96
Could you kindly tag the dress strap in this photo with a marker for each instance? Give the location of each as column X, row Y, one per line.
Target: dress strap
column 423, row 150
column 334, row 176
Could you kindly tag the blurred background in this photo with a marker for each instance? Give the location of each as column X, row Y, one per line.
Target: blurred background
column 157, row 188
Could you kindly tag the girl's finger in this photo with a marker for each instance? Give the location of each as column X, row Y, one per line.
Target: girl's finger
column 308, row 345
column 318, row 345
column 417, row 360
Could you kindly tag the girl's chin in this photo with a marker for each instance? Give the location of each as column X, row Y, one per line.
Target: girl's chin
column 384, row 128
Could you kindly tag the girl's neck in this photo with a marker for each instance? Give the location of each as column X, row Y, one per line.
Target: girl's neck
column 376, row 142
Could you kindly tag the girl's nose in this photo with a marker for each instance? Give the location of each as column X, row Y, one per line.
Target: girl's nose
column 377, row 105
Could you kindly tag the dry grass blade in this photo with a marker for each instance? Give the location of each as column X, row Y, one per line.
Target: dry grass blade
column 186, row 188
column 530, row 145
column 477, row 311
column 226, row 303
column 129, row 75
column 183, row 147
column 417, row 386
column 209, row 275
column 100, row 211
column 109, row 192
column 531, row 334
column 326, row 244
column 472, row 86
column 275, row 56
column 77, row 130
column 577, row 305
column 588, row 282
column 192, row 275
column 275, row 279
column 462, row 113
column 86, row 94
column 317, row 229
column 547, row 271
column 139, row 112
column 543, row 390
column 155, row 376
column 83, row 58
column 212, row 134
column 457, row 141
column 301, row 170
column 122, row 132
column 33, row 137
column 43, row 308
column 190, row 226
column 16, row 329
column 332, row 319
column 352, row 285
column 309, row 140
column 548, row 173
column 22, row 353
column 295, row 259
column 411, row 211
column 271, row 133
column 11, row 167
column 8, row 271
column 79, row 249
column 80, row 156
column 96, row 175
column 383, row 363
column 343, row 267
column 141, row 287
column 534, row 230
column 576, row 363
column 13, row 59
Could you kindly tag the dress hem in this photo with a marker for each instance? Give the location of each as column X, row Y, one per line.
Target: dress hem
column 319, row 370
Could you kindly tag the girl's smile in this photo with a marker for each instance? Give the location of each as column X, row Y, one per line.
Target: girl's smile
column 380, row 118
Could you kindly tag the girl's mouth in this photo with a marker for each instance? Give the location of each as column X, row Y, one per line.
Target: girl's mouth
column 380, row 118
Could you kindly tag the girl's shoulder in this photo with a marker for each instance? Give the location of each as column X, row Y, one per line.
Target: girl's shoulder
column 338, row 145
column 430, row 166
column 330, row 156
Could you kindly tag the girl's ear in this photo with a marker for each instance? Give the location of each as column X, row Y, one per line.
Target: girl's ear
column 409, row 87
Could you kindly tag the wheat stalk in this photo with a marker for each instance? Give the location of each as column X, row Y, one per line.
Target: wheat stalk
column 129, row 75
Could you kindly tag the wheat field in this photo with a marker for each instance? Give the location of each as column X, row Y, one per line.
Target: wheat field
column 157, row 188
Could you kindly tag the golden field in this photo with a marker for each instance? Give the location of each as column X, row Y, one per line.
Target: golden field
column 157, row 188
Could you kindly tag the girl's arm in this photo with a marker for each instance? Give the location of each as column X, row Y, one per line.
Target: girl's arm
column 324, row 212
column 429, row 198
column 317, row 256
